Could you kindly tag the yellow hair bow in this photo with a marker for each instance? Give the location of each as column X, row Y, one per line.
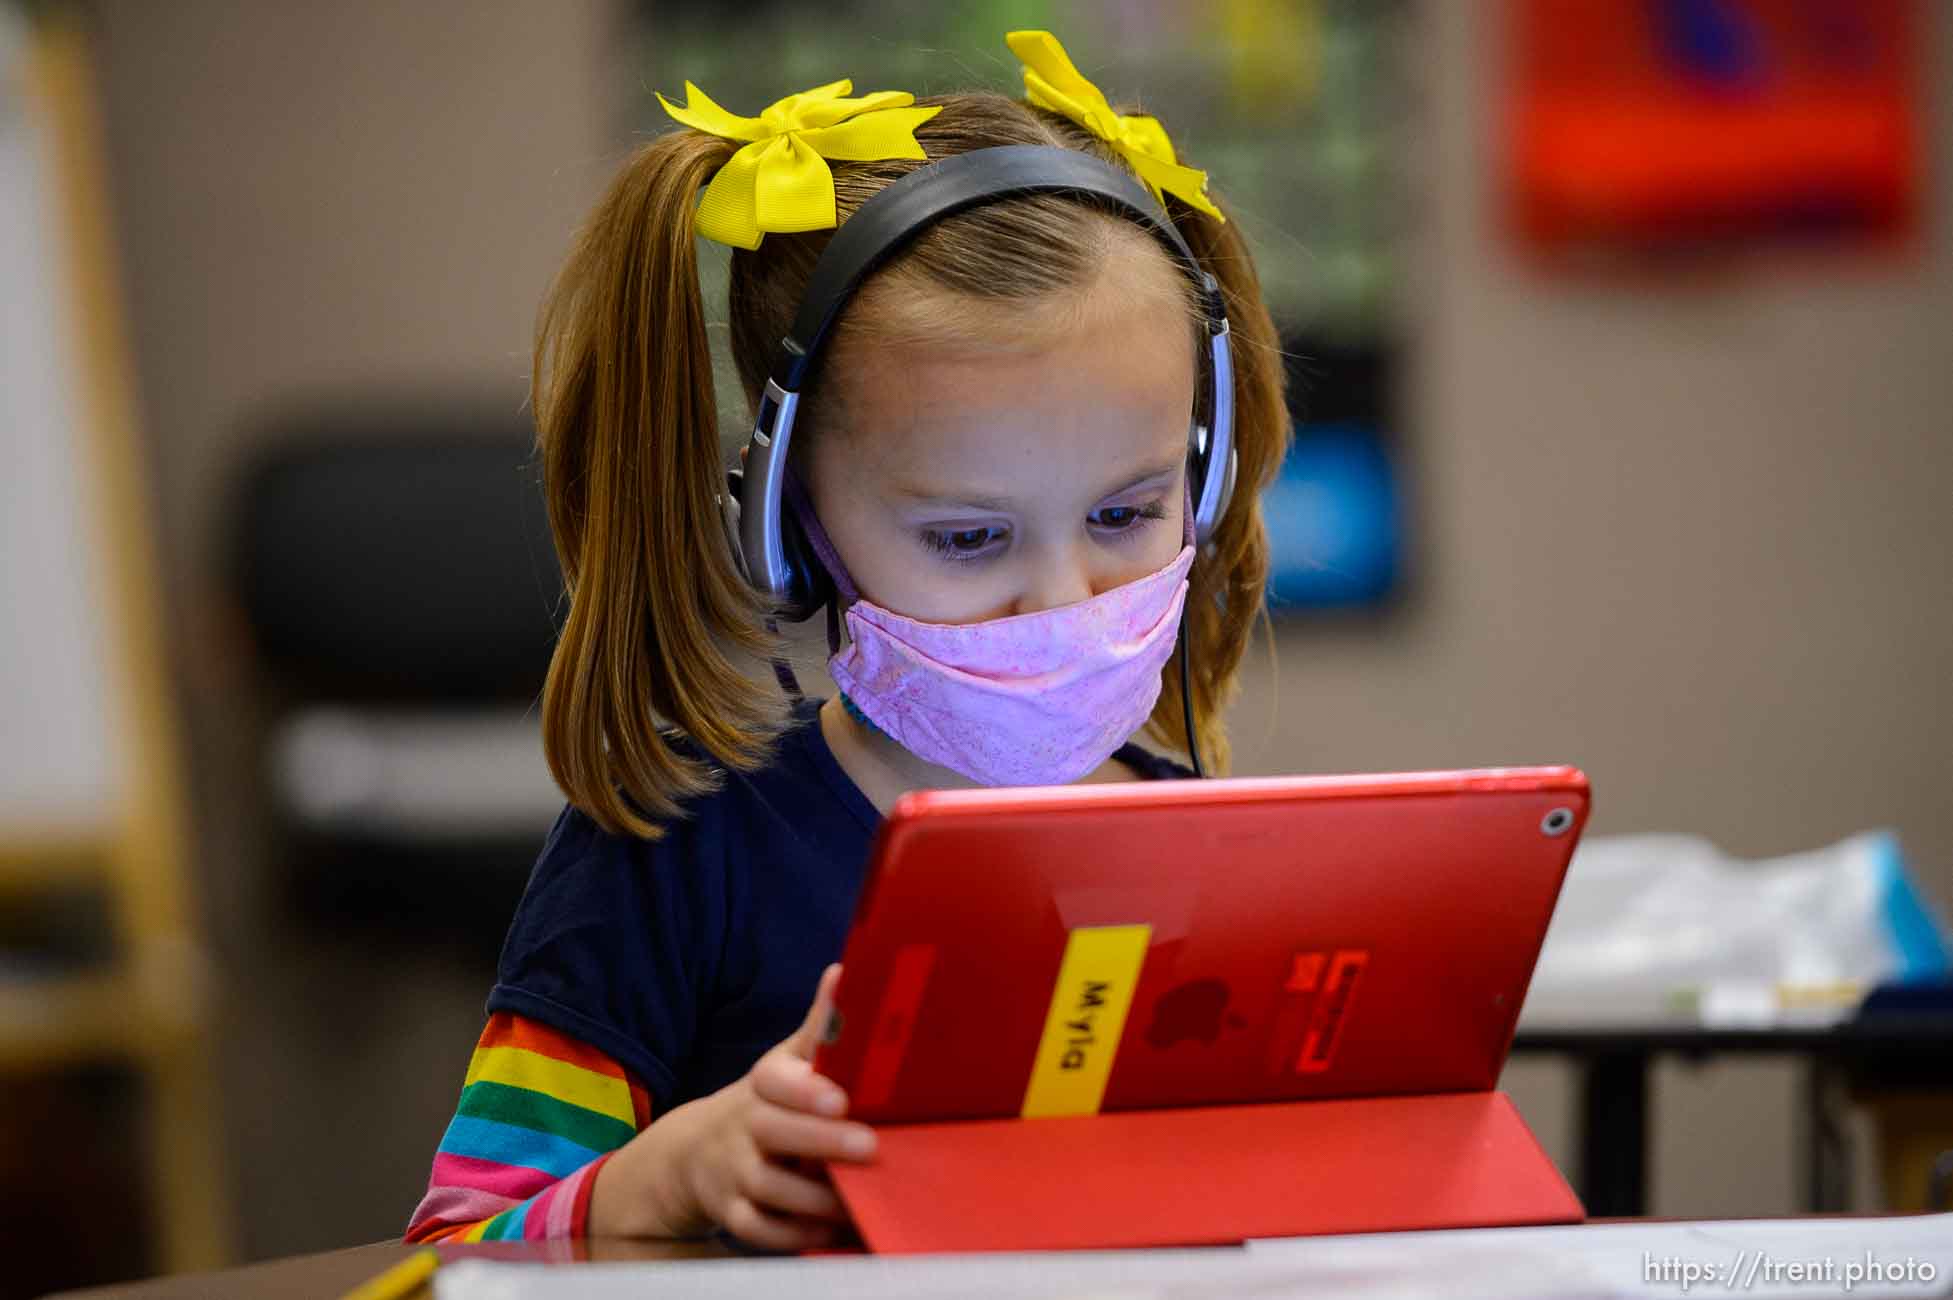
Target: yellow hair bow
column 1052, row 82
column 781, row 181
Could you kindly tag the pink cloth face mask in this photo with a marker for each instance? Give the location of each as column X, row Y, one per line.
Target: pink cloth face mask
column 1032, row 699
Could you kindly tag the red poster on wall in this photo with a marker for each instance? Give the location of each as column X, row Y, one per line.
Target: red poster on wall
column 1645, row 126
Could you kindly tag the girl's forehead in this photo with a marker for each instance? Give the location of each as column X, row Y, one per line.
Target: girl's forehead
column 953, row 394
column 1108, row 406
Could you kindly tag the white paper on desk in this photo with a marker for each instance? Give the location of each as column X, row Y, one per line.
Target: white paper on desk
column 1381, row 1274
column 1751, row 1257
column 1594, row 1260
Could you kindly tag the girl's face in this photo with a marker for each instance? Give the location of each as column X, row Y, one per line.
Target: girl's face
column 1036, row 463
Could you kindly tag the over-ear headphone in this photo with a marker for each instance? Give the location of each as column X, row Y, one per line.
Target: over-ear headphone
column 767, row 542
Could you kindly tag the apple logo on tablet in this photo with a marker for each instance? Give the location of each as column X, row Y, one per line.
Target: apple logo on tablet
column 1188, row 1011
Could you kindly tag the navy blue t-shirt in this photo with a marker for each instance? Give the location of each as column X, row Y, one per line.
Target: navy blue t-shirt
column 686, row 959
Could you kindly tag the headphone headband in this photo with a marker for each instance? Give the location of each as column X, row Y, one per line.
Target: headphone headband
column 906, row 207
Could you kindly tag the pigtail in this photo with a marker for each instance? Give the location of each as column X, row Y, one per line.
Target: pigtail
column 1226, row 590
column 627, row 430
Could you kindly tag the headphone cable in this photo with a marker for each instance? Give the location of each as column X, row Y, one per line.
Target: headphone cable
column 1186, row 698
column 782, row 670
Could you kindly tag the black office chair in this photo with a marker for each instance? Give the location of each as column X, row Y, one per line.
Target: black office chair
column 393, row 564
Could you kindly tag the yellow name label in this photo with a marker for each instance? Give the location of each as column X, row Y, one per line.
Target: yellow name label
column 1089, row 1003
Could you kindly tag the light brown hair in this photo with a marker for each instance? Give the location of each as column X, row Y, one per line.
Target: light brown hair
column 661, row 632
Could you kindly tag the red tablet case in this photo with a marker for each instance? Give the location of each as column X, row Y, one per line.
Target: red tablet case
column 1204, row 1175
column 1327, row 992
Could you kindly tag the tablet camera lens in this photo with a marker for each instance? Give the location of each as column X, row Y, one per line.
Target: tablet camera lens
column 1558, row 822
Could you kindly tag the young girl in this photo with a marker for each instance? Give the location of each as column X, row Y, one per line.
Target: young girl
column 998, row 429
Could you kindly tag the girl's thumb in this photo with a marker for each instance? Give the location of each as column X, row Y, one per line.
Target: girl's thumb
column 808, row 1036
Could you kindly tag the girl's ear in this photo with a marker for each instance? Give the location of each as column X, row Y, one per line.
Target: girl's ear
column 627, row 423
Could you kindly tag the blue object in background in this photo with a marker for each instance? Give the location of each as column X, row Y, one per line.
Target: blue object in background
column 1335, row 530
column 1921, row 937
column 1714, row 41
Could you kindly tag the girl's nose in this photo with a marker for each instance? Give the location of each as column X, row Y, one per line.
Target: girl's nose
column 1055, row 580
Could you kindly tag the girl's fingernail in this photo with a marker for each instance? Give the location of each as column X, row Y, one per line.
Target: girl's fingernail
column 859, row 1142
column 830, row 1101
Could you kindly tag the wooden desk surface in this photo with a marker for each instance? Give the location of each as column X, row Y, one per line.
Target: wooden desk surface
column 335, row 1272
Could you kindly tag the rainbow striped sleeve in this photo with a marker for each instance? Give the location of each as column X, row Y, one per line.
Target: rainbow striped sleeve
column 539, row 1113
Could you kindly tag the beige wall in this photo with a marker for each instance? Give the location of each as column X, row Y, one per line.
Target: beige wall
column 1686, row 537
column 325, row 198
column 1690, row 536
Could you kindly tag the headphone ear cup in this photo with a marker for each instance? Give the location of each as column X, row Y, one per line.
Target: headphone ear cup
column 1199, row 466
column 809, row 585
column 1198, row 454
column 1227, row 489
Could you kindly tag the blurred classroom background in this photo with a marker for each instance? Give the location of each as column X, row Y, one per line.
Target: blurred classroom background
column 1624, row 394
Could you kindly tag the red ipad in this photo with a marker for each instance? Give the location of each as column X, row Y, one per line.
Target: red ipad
column 1087, row 948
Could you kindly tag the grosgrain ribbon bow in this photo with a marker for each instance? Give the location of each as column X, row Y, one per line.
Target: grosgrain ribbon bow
column 780, row 180
column 1052, row 82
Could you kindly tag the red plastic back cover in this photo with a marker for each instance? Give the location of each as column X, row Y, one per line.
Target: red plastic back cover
column 1308, row 937
column 1205, row 1176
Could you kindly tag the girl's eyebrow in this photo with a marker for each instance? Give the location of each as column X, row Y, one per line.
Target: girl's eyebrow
column 924, row 496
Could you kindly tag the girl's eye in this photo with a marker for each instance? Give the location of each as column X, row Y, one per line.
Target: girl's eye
column 962, row 543
column 1122, row 519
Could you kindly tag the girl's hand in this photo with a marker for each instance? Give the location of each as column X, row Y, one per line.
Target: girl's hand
column 731, row 1159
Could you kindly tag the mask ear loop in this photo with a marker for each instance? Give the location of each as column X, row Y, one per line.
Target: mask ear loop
column 802, row 506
